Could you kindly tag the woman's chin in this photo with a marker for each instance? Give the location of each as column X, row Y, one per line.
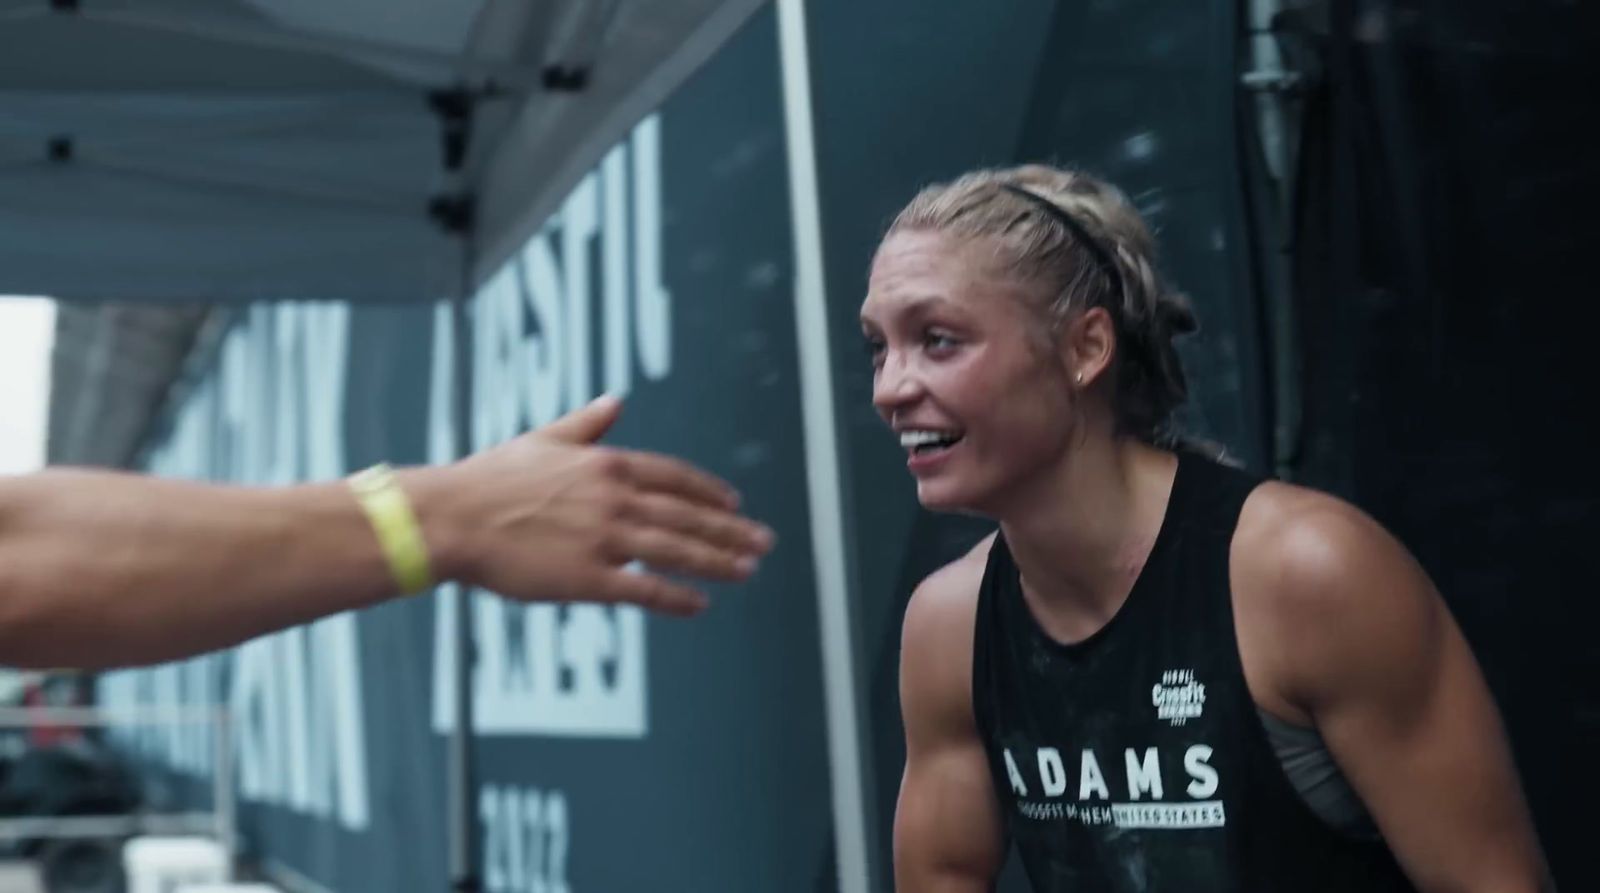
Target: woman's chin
column 941, row 496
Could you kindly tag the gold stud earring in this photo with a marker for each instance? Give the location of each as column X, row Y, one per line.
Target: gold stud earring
column 1079, row 379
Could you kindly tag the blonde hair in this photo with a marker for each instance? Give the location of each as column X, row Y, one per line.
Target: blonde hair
column 1085, row 245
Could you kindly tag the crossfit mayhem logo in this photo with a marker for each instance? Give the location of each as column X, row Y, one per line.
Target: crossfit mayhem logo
column 1178, row 698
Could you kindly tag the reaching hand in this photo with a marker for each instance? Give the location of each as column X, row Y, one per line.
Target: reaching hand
column 551, row 516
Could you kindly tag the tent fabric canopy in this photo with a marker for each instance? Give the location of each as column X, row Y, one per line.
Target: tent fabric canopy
column 205, row 152
column 240, row 150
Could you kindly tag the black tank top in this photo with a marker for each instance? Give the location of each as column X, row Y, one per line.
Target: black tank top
column 1134, row 760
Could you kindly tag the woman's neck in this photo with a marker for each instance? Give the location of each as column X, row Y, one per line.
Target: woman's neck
column 1082, row 533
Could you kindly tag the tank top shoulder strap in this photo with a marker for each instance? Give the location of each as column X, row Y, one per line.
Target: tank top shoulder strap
column 1214, row 496
column 999, row 572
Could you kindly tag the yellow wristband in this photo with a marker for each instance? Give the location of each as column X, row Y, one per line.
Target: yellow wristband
column 399, row 534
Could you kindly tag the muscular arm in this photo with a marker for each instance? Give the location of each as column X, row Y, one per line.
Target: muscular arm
column 1378, row 664
column 102, row 569
column 948, row 836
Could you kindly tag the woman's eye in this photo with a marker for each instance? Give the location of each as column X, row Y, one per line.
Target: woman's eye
column 938, row 341
column 874, row 348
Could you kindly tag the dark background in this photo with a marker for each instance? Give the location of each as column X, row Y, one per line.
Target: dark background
column 1428, row 244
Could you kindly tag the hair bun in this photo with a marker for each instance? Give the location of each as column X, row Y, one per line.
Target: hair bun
column 1175, row 313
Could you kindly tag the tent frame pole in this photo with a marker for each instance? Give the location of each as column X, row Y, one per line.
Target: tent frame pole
column 851, row 783
column 454, row 210
column 462, row 767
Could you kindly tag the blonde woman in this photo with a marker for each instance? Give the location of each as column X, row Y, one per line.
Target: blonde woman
column 1162, row 673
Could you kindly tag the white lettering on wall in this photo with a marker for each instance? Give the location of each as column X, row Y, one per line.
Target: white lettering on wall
column 526, row 837
column 544, row 669
column 274, row 413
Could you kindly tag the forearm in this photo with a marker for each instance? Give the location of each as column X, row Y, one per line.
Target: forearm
column 913, row 877
column 922, row 865
column 1516, row 882
column 103, row 569
column 947, row 838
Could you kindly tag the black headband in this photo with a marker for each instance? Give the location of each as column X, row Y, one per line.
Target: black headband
column 1101, row 257
column 1135, row 340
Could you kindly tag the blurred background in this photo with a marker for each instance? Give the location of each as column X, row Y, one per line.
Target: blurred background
column 279, row 239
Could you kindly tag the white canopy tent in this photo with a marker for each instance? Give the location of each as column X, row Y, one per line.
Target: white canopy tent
column 208, row 152
column 223, row 150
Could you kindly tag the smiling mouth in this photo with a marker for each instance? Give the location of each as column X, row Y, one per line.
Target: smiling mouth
column 927, row 441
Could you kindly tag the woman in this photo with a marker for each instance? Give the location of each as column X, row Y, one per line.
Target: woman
column 1161, row 673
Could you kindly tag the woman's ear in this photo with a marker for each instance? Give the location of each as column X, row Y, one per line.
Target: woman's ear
column 1088, row 345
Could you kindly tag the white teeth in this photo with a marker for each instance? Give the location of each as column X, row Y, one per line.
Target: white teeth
column 912, row 439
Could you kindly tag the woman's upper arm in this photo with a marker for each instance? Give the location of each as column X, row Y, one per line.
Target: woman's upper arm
column 948, row 836
column 1392, row 686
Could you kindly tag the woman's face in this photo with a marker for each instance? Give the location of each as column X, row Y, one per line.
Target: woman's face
column 961, row 373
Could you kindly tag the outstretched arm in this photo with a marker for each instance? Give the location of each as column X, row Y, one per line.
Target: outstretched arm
column 103, row 569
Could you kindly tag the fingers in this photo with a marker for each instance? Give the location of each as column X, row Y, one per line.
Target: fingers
column 671, row 552
column 653, row 593
column 680, row 520
column 713, row 527
column 652, row 471
column 587, row 424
